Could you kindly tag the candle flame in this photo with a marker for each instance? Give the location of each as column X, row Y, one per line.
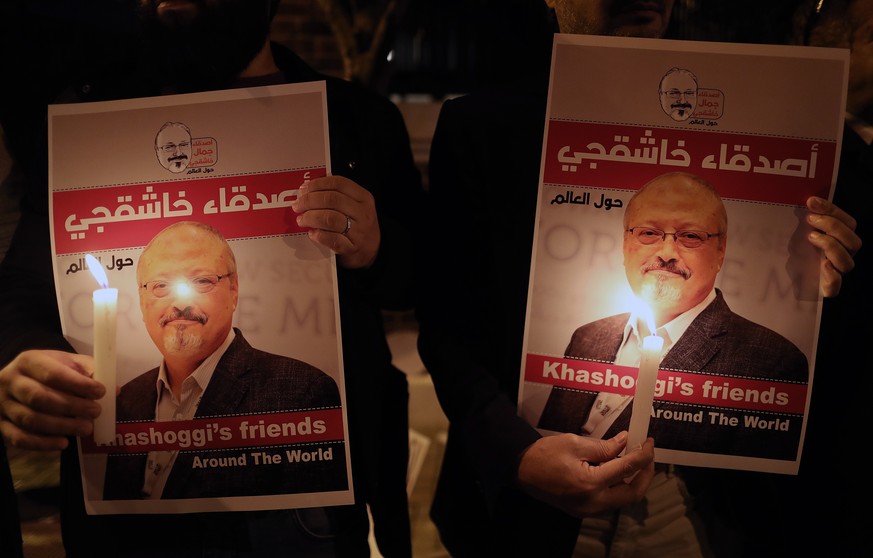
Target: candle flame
column 96, row 269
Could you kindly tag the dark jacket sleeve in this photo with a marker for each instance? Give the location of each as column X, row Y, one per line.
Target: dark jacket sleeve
column 456, row 311
column 27, row 290
column 370, row 145
column 474, row 268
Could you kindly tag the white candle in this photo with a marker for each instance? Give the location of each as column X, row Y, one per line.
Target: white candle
column 644, row 394
column 105, row 318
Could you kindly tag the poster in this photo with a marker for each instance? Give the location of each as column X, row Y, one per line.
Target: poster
column 257, row 417
column 730, row 279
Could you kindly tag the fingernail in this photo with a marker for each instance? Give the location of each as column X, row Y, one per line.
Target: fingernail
column 621, row 437
column 814, row 219
column 814, row 235
column 298, row 219
column 818, row 203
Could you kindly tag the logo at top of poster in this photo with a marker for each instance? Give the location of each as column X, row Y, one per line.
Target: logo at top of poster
column 682, row 98
column 179, row 152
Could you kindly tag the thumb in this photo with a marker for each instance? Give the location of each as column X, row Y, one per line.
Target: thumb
column 612, row 448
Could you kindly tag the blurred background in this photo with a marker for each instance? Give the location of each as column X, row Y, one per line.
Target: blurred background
column 417, row 52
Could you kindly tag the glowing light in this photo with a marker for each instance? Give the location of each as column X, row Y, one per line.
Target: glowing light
column 182, row 289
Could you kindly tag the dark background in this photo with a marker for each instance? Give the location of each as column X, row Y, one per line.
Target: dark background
column 440, row 47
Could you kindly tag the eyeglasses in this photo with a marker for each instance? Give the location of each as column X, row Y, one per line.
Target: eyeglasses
column 688, row 239
column 675, row 94
column 201, row 284
column 171, row 147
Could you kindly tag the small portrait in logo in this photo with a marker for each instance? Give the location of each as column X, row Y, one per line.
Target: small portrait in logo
column 678, row 93
column 173, row 146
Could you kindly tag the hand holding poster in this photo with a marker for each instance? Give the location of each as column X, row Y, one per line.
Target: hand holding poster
column 230, row 397
column 679, row 183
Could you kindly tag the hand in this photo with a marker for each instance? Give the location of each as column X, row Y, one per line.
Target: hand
column 583, row 475
column 46, row 396
column 342, row 217
column 835, row 237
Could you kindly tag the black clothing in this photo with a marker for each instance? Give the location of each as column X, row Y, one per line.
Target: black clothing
column 484, row 167
column 484, row 171
column 369, row 145
column 758, row 514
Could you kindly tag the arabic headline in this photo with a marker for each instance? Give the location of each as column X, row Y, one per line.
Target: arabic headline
column 584, row 198
column 740, row 166
column 676, row 386
column 241, row 431
column 127, row 216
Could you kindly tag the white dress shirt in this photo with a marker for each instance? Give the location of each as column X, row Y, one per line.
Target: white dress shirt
column 169, row 408
column 608, row 406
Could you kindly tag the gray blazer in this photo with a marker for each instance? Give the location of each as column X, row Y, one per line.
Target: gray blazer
column 718, row 342
column 246, row 381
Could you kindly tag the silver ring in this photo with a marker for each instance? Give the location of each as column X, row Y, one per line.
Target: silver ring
column 348, row 225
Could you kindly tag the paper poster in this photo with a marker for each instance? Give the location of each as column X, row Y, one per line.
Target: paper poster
column 729, row 279
column 184, row 202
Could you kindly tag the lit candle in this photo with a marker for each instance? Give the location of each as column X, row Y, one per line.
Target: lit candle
column 105, row 318
column 644, row 392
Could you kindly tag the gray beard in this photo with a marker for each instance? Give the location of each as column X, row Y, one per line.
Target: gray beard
column 658, row 291
column 182, row 341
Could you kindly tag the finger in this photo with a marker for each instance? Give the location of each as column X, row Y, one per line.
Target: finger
column 340, row 184
column 42, row 399
column 822, row 206
column 14, row 437
column 616, row 495
column 331, row 192
column 339, row 243
column 641, row 480
column 600, row 450
column 46, row 425
column 831, row 279
column 63, row 372
column 326, row 199
column 627, row 466
column 619, row 495
column 55, row 383
column 324, row 219
column 836, row 229
column 833, row 250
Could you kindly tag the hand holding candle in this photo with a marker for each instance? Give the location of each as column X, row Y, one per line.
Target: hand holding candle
column 644, row 394
column 105, row 318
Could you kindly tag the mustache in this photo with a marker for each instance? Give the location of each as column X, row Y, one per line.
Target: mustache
column 178, row 158
column 681, row 105
column 670, row 266
column 185, row 314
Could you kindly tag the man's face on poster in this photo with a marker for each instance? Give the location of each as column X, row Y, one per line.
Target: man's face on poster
column 173, row 148
column 669, row 275
column 188, row 292
column 678, row 94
